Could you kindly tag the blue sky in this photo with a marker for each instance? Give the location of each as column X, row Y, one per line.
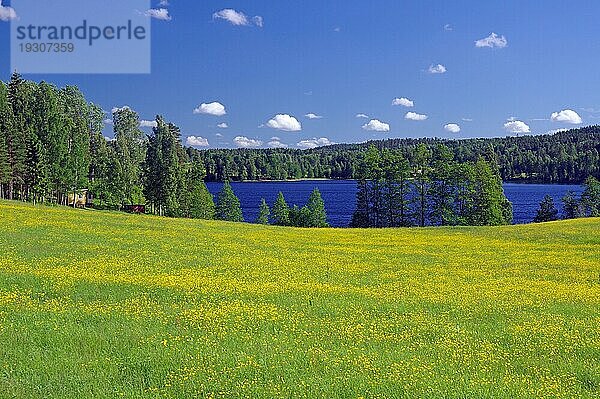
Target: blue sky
column 337, row 59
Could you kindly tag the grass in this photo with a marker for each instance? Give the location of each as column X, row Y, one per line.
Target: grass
column 104, row 305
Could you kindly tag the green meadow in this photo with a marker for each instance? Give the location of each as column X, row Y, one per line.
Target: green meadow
column 104, row 305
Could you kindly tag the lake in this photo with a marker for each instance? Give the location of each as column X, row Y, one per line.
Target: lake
column 340, row 197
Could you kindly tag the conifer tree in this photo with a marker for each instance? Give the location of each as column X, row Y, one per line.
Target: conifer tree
column 547, row 211
column 19, row 97
column 202, row 205
column 5, row 112
column 299, row 217
column 228, row 205
column 281, row 211
column 263, row 212
column 317, row 216
column 571, row 206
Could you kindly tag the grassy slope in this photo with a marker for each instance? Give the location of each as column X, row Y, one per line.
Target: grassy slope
column 105, row 304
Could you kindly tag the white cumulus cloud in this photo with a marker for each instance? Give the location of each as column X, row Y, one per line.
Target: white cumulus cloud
column 7, row 13
column 567, row 116
column 363, row 116
column 437, row 69
column 452, row 128
column 413, row 116
column 214, row 108
column 117, row 109
column 493, row 40
column 258, row 21
column 314, row 142
column 223, row 125
column 516, row 127
column 285, row 122
column 405, row 102
column 313, row 116
column 275, row 142
column 144, row 123
column 196, row 141
column 158, row 13
column 238, row 18
column 245, row 142
column 376, row 125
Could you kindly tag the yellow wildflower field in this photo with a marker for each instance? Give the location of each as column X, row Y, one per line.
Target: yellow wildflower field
column 100, row 304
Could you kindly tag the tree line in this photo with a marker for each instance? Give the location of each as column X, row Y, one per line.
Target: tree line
column 432, row 190
column 51, row 145
column 586, row 205
column 564, row 157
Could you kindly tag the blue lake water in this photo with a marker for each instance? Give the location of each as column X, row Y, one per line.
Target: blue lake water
column 340, row 197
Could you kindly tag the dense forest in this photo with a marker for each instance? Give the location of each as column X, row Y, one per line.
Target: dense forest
column 52, row 150
column 564, row 157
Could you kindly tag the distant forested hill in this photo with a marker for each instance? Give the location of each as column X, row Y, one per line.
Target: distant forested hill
column 564, row 157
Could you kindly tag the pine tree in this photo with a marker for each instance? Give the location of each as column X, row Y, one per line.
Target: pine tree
column 571, row 206
column 263, row 212
column 202, row 205
column 547, row 211
column 299, row 217
column 19, row 98
column 228, row 205
column 281, row 211
column 5, row 171
column 172, row 169
column 317, row 216
column 165, row 170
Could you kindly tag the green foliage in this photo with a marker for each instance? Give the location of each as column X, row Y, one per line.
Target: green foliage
column 300, row 217
column 571, row 206
column 564, row 157
column 547, row 211
column 263, row 212
column 435, row 190
column 281, row 211
column 490, row 206
column 228, row 205
column 130, row 151
column 5, row 126
column 590, row 199
column 202, row 205
column 317, row 215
